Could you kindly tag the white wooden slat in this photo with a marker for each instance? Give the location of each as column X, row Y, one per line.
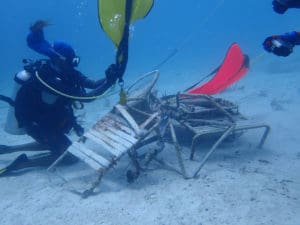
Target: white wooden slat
column 92, row 163
column 116, row 140
column 118, row 134
column 101, row 160
column 128, row 118
column 116, row 146
column 120, row 121
column 128, row 134
column 105, row 145
column 114, row 122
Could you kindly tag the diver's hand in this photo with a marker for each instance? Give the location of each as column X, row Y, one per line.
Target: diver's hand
column 279, row 7
column 39, row 25
column 278, row 46
column 283, row 51
column 79, row 130
column 112, row 74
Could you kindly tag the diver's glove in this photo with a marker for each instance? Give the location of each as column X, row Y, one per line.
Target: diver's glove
column 79, row 130
column 279, row 7
column 112, row 74
column 278, row 46
column 39, row 25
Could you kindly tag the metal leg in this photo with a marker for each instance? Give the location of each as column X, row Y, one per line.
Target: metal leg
column 57, row 161
column 178, row 151
column 194, row 144
column 248, row 127
column 131, row 176
column 90, row 191
column 265, row 135
column 220, row 140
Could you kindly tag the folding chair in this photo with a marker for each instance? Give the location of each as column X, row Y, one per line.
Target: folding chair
column 115, row 134
column 202, row 115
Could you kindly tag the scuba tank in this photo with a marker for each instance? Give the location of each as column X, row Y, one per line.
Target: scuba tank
column 30, row 67
column 48, row 94
column 11, row 126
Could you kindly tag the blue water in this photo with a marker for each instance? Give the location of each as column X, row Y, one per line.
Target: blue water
column 241, row 185
column 198, row 31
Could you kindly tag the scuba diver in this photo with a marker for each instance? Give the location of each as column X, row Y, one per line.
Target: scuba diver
column 282, row 45
column 48, row 91
column 281, row 6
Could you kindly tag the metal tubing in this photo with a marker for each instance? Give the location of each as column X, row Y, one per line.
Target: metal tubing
column 225, row 134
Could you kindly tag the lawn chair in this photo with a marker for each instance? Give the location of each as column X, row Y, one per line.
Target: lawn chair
column 203, row 116
column 147, row 119
column 115, row 134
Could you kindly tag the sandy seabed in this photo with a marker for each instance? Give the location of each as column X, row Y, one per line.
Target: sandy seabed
column 239, row 185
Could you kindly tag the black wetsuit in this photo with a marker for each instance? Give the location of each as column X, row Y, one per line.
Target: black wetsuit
column 48, row 123
column 281, row 6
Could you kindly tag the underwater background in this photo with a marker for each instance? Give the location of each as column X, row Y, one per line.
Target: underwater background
column 185, row 40
column 195, row 34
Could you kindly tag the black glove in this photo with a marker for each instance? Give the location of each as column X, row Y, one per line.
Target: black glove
column 112, row 74
column 39, row 25
column 282, row 51
column 79, row 130
column 278, row 7
column 277, row 46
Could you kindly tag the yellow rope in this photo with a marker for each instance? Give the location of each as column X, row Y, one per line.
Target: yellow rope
column 71, row 96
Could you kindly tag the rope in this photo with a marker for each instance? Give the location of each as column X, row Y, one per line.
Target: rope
column 72, row 96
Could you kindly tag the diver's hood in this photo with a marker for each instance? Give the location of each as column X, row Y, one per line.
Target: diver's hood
column 66, row 53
